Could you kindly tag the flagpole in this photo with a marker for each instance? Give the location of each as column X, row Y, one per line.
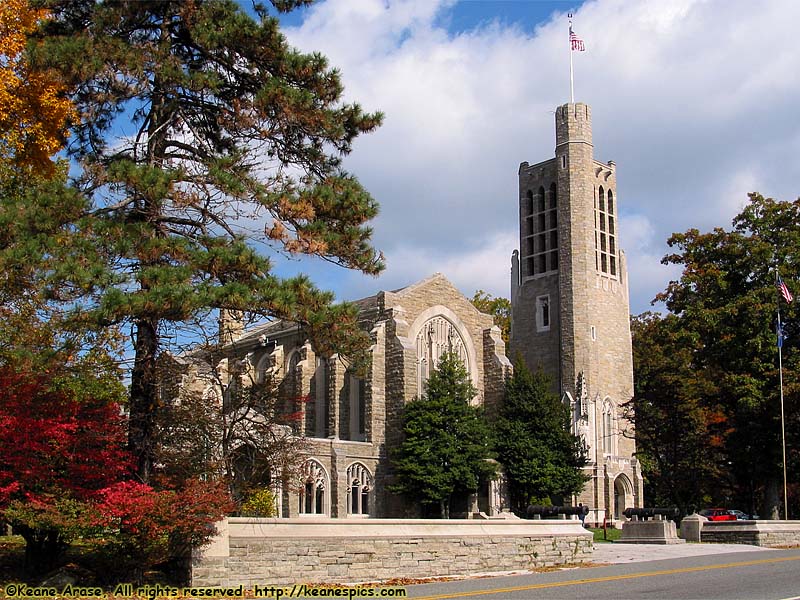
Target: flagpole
column 571, row 83
column 783, row 436
column 780, row 379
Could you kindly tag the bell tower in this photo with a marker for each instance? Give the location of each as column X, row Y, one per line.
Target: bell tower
column 570, row 308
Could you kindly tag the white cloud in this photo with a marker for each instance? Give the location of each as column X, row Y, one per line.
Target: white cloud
column 695, row 100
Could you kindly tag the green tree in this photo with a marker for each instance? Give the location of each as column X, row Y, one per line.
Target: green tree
column 206, row 143
column 725, row 302
column 540, row 455
column 679, row 440
column 446, row 446
column 499, row 308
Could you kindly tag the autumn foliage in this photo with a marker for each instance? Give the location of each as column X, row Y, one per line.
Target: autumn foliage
column 149, row 526
column 53, row 444
column 65, row 473
column 34, row 111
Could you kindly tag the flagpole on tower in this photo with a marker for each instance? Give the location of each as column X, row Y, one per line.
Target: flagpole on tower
column 575, row 44
column 571, row 80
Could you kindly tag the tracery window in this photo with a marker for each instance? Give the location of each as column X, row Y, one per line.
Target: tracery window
column 359, row 489
column 609, row 427
column 435, row 337
column 313, row 489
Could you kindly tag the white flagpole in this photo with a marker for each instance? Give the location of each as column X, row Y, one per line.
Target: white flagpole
column 783, row 435
column 571, row 82
column 780, row 378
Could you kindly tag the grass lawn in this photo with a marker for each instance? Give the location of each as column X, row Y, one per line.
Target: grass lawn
column 611, row 534
column 12, row 557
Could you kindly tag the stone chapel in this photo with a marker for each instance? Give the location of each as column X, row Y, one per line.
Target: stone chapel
column 570, row 317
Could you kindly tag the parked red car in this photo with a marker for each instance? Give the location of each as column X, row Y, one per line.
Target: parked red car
column 717, row 514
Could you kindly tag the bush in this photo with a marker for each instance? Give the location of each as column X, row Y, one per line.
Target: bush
column 259, row 503
column 150, row 527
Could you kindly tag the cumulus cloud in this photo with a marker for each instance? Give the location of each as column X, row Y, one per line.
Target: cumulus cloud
column 694, row 100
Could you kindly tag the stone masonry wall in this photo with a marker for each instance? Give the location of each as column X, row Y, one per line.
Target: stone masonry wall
column 770, row 534
column 278, row 559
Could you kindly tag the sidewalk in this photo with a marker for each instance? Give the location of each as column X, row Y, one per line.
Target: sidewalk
column 616, row 553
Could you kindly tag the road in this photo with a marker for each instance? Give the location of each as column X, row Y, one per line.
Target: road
column 751, row 574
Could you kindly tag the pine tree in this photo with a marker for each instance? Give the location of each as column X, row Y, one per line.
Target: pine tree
column 540, row 455
column 205, row 142
column 446, row 446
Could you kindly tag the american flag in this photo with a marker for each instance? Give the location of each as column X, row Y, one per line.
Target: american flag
column 787, row 295
column 576, row 43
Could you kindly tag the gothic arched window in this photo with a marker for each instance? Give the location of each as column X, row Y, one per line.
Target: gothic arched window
column 609, row 427
column 313, row 489
column 263, row 367
column 435, row 337
column 359, row 489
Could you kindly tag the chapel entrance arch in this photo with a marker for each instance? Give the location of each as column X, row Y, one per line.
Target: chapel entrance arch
column 623, row 495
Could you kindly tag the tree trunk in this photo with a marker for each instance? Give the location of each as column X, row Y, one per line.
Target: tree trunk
column 43, row 548
column 144, row 398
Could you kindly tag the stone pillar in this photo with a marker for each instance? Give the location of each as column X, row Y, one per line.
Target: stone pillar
column 338, row 482
column 692, row 527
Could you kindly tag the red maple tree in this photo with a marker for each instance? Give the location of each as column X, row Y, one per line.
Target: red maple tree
column 54, row 444
column 58, row 449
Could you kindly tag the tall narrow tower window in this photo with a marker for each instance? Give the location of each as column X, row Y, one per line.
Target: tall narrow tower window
column 528, row 210
column 541, row 243
column 543, row 313
column 605, row 233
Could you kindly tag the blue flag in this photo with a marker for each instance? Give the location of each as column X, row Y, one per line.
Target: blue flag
column 779, row 331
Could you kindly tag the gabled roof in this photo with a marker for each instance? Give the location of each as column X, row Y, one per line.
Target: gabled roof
column 364, row 305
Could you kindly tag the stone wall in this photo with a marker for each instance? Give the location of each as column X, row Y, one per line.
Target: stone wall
column 285, row 551
column 756, row 533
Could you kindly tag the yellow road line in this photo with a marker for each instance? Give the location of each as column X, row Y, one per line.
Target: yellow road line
column 540, row 586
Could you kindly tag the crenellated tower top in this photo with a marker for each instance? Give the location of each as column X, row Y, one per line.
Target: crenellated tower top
column 573, row 124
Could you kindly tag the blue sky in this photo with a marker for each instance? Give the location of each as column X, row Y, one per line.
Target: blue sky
column 464, row 15
column 695, row 100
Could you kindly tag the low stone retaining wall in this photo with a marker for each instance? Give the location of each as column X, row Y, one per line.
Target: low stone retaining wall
column 756, row 533
column 284, row 551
